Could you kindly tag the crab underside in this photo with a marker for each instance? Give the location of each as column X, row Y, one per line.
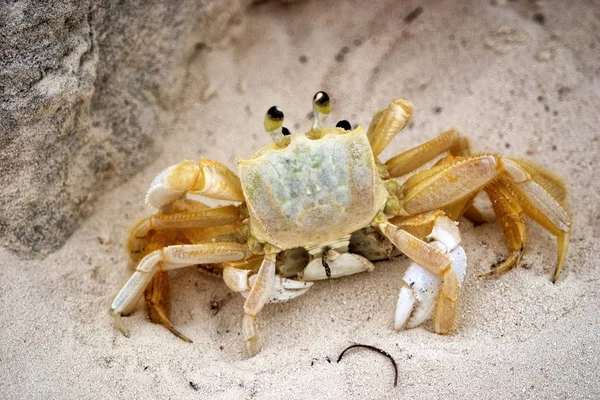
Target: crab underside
column 320, row 205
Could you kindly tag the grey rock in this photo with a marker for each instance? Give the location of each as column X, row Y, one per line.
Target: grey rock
column 87, row 89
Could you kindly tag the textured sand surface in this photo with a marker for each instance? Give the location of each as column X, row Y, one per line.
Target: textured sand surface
column 512, row 84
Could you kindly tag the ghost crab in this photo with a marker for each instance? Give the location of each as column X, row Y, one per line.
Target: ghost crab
column 320, row 205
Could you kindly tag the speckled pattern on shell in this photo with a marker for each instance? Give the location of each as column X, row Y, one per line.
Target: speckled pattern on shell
column 313, row 191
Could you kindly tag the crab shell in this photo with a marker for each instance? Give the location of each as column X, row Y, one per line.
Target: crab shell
column 314, row 191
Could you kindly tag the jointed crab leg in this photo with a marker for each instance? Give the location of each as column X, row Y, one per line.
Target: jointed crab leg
column 511, row 217
column 238, row 277
column 387, row 123
column 209, row 217
column 416, row 249
column 171, row 257
column 414, row 158
column 446, row 184
column 259, row 294
column 157, row 296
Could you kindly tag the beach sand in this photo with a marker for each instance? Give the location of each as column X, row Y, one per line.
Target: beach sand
column 514, row 83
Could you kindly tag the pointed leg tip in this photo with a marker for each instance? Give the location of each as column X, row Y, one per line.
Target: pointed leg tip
column 253, row 347
column 119, row 322
column 158, row 315
column 557, row 272
column 443, row 327
column 183, row 337
column 177, row 334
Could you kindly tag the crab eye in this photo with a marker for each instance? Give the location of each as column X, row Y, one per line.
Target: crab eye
column 274, row 126
column 322, row 102
column 321, row 109
column 273, row 119
column 344, row 124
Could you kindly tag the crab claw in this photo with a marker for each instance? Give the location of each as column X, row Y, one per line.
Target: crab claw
column 337, row 265
column 420, row 291
column 420, row 287
column 283, row 289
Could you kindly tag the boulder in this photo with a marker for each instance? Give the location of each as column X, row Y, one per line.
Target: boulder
column 87, row 90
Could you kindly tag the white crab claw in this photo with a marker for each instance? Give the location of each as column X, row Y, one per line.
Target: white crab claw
column 420, row 290
column 236, row 279
column 420, row 287
column 160, row 193
column 344, row 264
column 445, row 231
column 283, row 289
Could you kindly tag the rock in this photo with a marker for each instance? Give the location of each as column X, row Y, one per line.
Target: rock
column 87, row 88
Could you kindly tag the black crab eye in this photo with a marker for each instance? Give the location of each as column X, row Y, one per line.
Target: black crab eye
column 285, row 131
column 344, row 124
column 321, row 109
column 273, row 119
column 275, row 113
column 322, row 102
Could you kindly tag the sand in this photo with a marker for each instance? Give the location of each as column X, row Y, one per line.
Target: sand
column 512, row 84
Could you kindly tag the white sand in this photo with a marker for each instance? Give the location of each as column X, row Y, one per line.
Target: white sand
column 518, row 336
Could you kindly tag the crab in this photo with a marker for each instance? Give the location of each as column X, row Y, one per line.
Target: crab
column 320, row 205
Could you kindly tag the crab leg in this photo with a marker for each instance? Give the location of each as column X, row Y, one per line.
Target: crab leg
column 259, row 294
column 157, row 296
column 210, row 217
column 283, row 289
column 414, row 158
column 207, row 178
column 387, row 123
column 171, row 257
column 511, row 217
column 537, row 192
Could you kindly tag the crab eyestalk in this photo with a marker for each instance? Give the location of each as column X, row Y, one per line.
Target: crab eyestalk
column 274, row 126
column 321, row 109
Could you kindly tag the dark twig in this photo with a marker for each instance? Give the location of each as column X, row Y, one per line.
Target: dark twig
column 385, row 353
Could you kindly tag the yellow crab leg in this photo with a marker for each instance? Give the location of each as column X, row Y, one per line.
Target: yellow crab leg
column 542, row 197
column 550, row 182
column 167, row 258
column 387, row 123
column 450, row 183
column 222, row 233
column 199, row 219
column 412, row 159
column 537, row 204
column 209, row 217
column 256, row 300
column 157, row 296
column 510, row 215
column 457, row 209
column 419, row 225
